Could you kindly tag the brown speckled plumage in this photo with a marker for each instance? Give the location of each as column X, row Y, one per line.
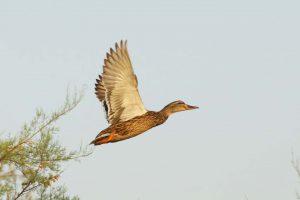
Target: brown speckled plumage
column 132, row 127
column 117, row 89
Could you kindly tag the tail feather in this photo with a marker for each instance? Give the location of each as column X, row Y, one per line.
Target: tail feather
column 102, row 139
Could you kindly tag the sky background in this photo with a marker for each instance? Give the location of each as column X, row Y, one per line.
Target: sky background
column 237, row 60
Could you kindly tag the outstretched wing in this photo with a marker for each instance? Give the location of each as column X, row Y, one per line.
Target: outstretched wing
column 117, row 88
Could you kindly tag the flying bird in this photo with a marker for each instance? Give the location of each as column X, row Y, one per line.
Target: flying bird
column 117, row 90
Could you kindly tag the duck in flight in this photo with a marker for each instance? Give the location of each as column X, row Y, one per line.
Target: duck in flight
column 117, row 90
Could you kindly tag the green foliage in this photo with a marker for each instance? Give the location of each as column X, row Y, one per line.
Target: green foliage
column 30, row 162
column 58, row 193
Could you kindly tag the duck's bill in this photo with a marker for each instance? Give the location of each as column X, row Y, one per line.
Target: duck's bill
column 192, row 107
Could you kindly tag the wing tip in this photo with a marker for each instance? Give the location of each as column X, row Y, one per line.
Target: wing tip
column 123, row 44
column 111, row 51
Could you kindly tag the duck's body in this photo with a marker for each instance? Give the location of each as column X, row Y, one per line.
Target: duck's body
column 117, row 90
column 130, row 128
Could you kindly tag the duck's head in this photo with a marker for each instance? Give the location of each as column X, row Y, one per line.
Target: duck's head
column 177, row 106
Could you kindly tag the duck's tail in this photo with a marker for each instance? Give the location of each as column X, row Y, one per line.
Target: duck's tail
column 102, row 139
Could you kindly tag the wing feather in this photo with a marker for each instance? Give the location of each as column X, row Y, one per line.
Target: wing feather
column 117, row 88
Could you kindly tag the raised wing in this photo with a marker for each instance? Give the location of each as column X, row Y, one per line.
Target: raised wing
column 117, row 88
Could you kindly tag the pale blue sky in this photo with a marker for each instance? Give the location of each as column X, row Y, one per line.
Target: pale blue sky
column 237, row 60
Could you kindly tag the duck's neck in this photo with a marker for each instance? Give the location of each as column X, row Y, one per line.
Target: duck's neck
column 166, row 111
